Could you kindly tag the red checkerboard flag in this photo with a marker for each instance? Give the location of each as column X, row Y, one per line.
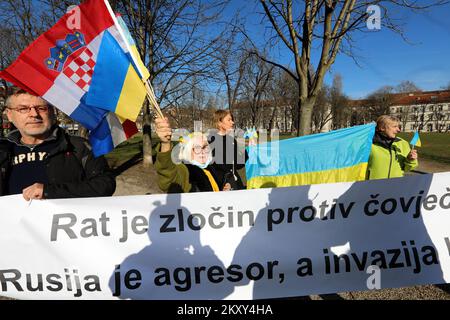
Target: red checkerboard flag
column 81, row 69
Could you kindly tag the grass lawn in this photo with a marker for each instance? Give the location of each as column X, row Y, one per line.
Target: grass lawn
column 435, row 146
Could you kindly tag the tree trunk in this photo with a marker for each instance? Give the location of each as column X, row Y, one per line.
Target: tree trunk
column 305, row 117
column 147, row 137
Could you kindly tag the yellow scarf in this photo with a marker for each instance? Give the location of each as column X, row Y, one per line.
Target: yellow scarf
column 212, row 181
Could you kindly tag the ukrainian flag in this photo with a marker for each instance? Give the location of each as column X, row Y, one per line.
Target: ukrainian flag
column 415, row 141
column 336, row 156
column 116, row 85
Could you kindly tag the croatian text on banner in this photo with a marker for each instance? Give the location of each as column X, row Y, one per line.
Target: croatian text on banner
column 251, row 244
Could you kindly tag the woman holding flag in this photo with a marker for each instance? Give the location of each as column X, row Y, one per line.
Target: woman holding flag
column 390, row 155
column 195, row 174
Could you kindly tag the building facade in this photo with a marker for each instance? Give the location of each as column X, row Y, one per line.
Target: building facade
column 423, row 111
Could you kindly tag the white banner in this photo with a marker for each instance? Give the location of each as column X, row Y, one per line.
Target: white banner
column 253, row 244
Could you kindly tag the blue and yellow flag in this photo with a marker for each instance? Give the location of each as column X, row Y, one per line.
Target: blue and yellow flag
column 116, row 86
column 415, row 141
column 336, row 156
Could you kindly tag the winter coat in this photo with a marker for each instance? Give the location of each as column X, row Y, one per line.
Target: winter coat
column 72, row 170
column 389, row 158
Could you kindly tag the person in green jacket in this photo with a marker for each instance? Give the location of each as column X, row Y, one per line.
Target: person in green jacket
column 194, row 174
column 390, row 155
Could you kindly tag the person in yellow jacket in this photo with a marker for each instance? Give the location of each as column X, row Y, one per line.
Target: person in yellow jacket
column 390, row 155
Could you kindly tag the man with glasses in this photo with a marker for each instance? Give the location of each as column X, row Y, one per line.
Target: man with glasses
column 41, row 161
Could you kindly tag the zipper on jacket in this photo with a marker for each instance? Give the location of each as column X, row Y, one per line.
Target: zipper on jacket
column 390, row 162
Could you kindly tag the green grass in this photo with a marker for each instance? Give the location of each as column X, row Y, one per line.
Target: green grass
column 435, row 146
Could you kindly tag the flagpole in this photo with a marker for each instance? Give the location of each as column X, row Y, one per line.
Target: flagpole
column 152, row 99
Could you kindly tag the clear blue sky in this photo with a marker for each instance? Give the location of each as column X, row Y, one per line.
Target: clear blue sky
column 384, row 57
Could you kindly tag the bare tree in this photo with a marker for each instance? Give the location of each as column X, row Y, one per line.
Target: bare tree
column 404, row 116
column 302, row 26
column 175, row 44
column 419, row 116
column 257, row 76
column 232, row 56
column 438, row 117
column 379, row 102
column 322, row 112
column 339, row 104
column 282, row 91
column 407, row 86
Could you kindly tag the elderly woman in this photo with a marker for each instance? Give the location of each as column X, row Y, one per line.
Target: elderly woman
column 390, row 155
column 194, row 174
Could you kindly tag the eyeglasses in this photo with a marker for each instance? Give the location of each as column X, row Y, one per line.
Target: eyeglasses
column 199, row 149
column 24, row 110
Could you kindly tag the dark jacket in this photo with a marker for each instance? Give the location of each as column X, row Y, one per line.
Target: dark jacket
column 227, row 160
column 72, row 170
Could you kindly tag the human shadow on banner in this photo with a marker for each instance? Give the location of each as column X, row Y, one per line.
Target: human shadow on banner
column 325, row 249
column 167, row 263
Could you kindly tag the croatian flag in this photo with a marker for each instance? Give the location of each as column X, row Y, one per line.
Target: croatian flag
column 112, row 131
column 85, row 72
